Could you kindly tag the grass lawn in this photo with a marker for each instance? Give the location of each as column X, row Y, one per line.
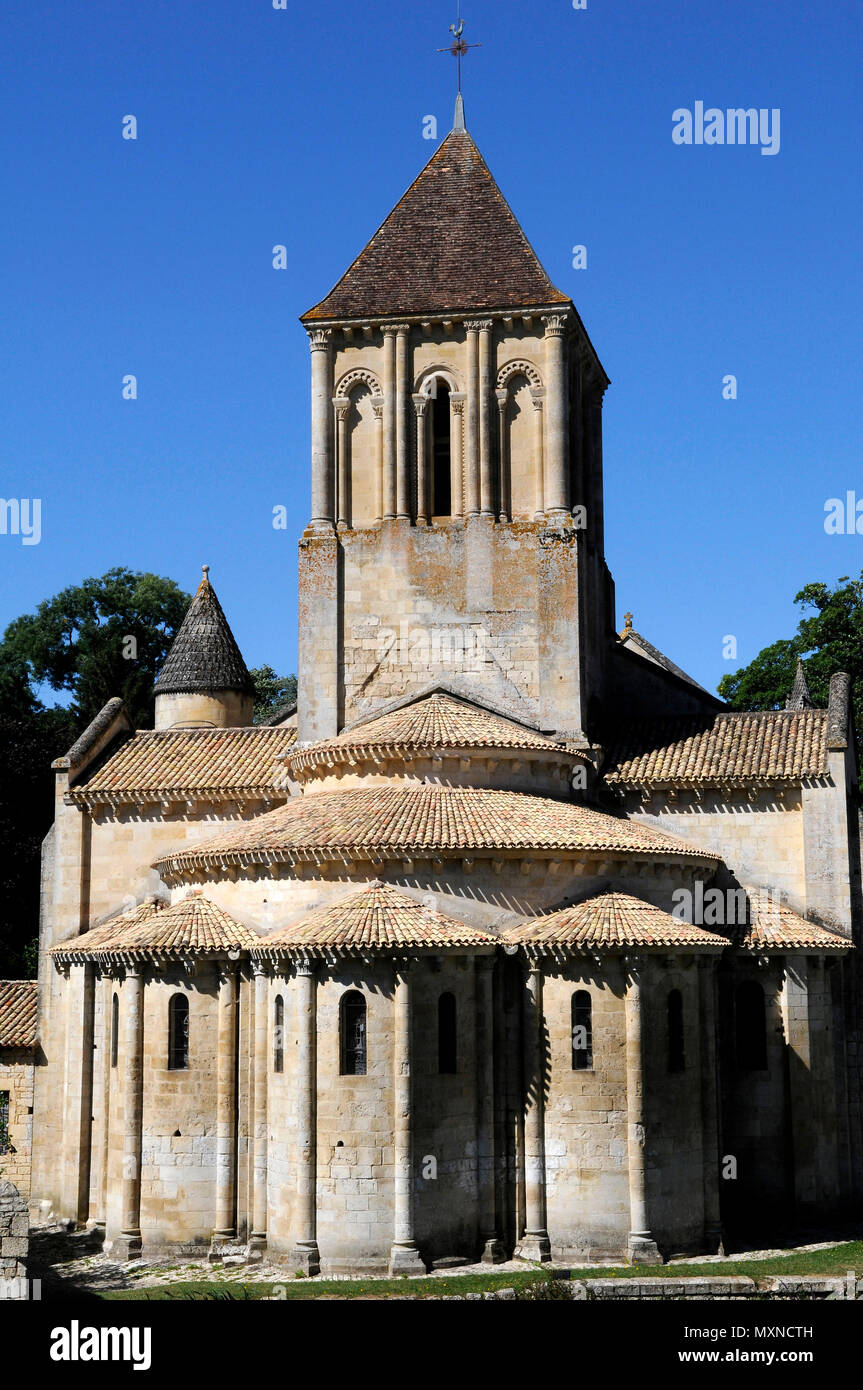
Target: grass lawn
column 838, row 1259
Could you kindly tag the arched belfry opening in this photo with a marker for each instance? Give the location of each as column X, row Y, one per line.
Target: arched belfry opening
column 441, row 451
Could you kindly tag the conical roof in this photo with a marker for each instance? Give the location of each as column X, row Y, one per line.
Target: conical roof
column 204, row 654
column 378, row 917
column 450, row 243
column 800, row 698
column 611, row 920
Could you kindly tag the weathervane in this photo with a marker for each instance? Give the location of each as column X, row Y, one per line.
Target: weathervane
column 459, row 48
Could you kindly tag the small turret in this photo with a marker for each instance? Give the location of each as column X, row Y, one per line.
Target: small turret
column 204, row 682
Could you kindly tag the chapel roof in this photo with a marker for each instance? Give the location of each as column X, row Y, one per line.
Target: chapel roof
column 634, row 642
column 722, row 748
column 18, row 1003
column 378, row 917
column 434, row 724
column 372, row 822
column 611, row 920
column 190, row 927
column 157, row 764
column 450, row 243
column 204, row 655
column 772, row 926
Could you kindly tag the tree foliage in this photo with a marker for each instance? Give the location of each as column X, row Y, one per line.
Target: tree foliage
column 101, row 638
column 829, row 638
column 272, row 692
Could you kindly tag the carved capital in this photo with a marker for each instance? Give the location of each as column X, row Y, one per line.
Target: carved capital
column 478, row 325
column 378, row 408
column 342, row 407
column 456, row 402
column 537, row 396
column 320, row 339
column 557, row 325
column 390, row 328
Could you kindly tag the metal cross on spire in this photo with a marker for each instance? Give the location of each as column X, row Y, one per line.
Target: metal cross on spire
column 459, row 47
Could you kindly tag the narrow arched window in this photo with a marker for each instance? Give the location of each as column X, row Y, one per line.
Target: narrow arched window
column 750, row 1027
column 446, row 1034
column 115, row 1029
column 178, row 1033
column 582, row 1031
column 279, row 1034
column 676, row 1057
column 352, row 1032
column 441, row 452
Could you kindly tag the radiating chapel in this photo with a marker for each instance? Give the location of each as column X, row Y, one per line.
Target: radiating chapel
column 510, row 939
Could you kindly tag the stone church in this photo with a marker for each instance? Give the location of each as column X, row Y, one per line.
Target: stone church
column 510, row 939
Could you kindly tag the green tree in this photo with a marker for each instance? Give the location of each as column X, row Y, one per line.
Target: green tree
column 828, row 639
column 101, row 638
column 272, row 692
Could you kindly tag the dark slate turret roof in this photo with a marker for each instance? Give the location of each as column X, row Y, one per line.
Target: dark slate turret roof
column 450, row 243
column 204, row 654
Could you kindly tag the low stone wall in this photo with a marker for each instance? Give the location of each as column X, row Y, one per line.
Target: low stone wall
column 792, row 1287
column 14, row 1241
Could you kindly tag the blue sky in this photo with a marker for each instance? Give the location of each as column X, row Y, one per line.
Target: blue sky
column 303, row 127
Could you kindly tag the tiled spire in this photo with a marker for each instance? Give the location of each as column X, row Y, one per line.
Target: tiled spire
column 204, row 655
column 800, row 697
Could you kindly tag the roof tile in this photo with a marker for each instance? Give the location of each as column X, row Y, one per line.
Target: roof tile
column 611, row 920
column 378, row 917
column 18, row 1001
column 720, row 748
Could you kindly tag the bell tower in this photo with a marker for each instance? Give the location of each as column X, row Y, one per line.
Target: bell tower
column 456, row 533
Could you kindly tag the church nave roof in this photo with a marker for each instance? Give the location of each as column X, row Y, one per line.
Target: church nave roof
column 611, row 920
column 192, row 926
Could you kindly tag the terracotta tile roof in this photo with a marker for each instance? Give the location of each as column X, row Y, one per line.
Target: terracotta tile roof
column 722, row 748
column 205, row 763
column 204, row 654
column 378, row 917
column 374, row 821
column 451, row 242
column 434, row 724
column 773, row 926
column 18, row 1000
column 190, row 927
column 611, row 920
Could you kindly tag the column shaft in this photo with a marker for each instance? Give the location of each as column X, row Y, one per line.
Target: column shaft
column 342, row 510
column 486, row 450
column 537, row 398
column 641, row 1245
column 423, row 503
column 404, row 1256
column 505, row 511
column 378, row 409
column 557, row 417
column 322, row 454
column 456, row 405
column 403, row 469
column 534, row 1244
column 226, row 1106
column 472, row 466
column 305, row 1251
column 490, row 1244
column 390, row 499
column 262, row 1067
column 128, row 1246
column 709, row 1105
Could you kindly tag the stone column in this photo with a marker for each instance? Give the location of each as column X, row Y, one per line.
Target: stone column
column 378, row 409
column 456, row 407
column 537, row 397
column 534, row 1244
column 226, row 1105
column 322, row 454
column 556, row 487
column 403, row 390
column 795, row 1019
column 641, row 1245
column 390, row 500
column 472, row 464
column 305, row 1253
column 709, row 1104
column 424, row 508
column 486, row 454
column 78, row 1090
column 108, row 986
column 128, row 1244
column 258, row 1237
column 404, row 1256
column 342, row 409
column 490, row 1243
column 502, row 397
